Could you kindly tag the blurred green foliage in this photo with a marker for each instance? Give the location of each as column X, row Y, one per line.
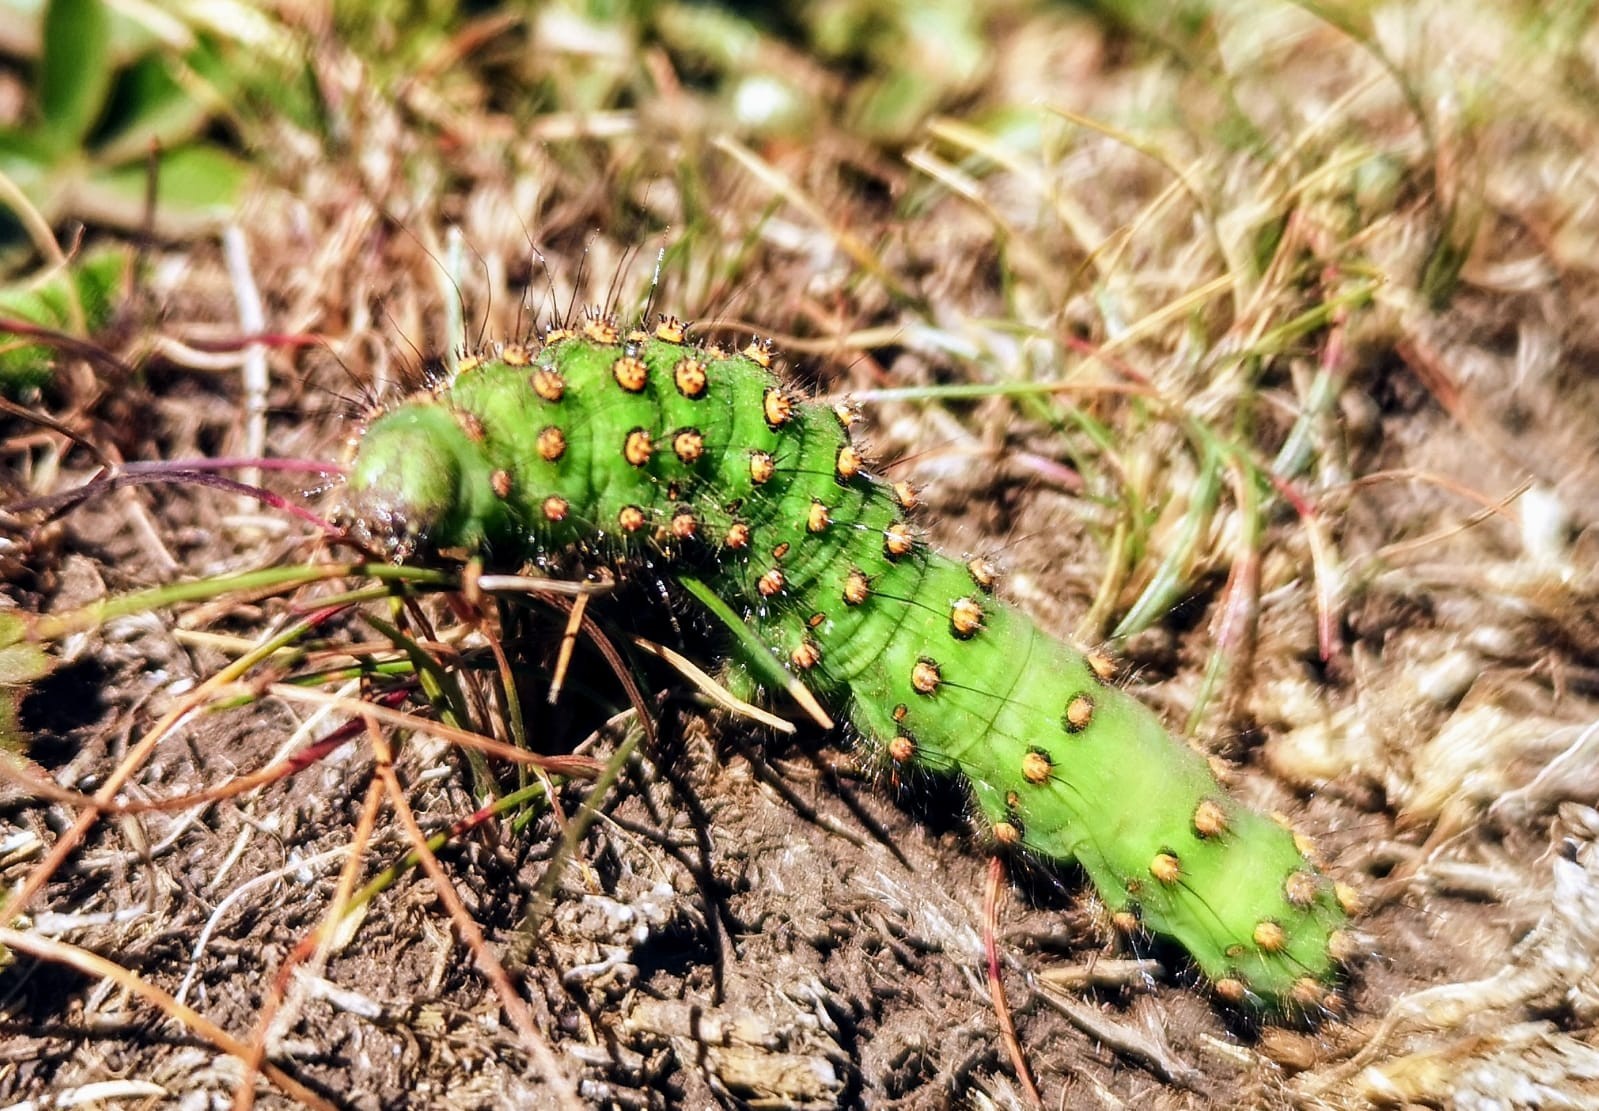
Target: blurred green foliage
column 893, row 63
column 85, row 293
column 878, row 67
column 104, row 91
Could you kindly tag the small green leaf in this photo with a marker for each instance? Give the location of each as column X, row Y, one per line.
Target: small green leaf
column 26, row 160
column 22, row 663
column 147, row 105
column 199, row 177
column 13, row 629
column 74, row 69
column 197, row 187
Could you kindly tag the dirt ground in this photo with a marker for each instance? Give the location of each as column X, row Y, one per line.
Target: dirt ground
column 747, row 918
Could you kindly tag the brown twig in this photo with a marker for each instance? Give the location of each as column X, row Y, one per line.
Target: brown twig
column 996, row 984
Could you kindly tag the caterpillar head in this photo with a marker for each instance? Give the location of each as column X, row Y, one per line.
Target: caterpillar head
column 408, row 486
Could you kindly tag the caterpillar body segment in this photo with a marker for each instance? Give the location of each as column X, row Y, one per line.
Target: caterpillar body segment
column 651, row 445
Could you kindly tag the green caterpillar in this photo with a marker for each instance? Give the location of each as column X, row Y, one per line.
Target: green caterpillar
column 646, row 445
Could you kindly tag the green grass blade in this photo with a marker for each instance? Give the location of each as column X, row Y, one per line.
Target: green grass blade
column 74, row 69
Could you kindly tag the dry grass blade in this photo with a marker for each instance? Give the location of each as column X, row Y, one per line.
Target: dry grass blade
column 574, row 622
column 713, row 690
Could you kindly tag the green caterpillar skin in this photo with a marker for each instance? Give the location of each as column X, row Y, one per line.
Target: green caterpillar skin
column 647, row 445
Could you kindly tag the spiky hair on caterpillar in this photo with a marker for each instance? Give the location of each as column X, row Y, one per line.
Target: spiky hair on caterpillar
column 641, row 443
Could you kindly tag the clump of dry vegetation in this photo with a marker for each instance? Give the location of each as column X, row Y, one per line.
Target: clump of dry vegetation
column 1252, row 339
